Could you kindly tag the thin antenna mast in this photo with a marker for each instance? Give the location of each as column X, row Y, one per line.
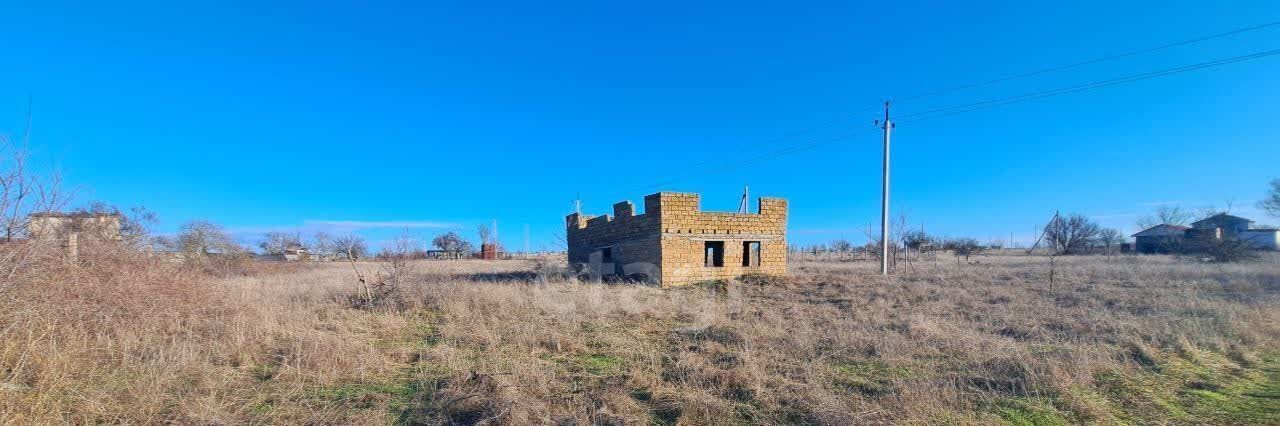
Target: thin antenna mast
column 26, row 135
column 742, row 206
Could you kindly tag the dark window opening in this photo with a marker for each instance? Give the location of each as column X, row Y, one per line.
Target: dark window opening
column 714, row 254
column 606, row 255
column 750, row 253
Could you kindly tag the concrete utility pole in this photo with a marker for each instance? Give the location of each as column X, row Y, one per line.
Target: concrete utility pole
column 884, row 196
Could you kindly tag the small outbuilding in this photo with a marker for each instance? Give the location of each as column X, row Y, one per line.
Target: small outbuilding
column 1261, row 238
column 1161, row 238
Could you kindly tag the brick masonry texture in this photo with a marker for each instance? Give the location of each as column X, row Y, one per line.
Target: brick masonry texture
column 672, row 235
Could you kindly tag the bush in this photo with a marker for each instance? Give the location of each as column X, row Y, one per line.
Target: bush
column 964, row 247
column 1222, row 250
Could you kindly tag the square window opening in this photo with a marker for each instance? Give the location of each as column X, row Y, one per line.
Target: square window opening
column 714, row 254
column 606, row 255
column 751, row 253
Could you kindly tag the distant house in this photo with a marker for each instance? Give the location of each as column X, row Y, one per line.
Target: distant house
column 1227, row 225
column 1159, row 239
column 295, row 253
column 1164, row 238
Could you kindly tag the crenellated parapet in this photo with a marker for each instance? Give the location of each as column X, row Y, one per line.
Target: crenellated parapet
column 682, row 242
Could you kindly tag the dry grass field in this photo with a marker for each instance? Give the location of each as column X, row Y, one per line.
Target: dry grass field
column 123, row 338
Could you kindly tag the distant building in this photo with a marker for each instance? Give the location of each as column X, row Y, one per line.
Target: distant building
column 1227, row 225
column 296, row 254
column 70, row 230
column 1261, row 238
column 675, row 242
column 490, row 251
column 1167, row 238
column 58, row 226
column 1159, row 239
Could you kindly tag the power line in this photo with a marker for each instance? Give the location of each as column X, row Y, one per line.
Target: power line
column 992, row 103
column 1085, row 62
column 960, row 109
column 826, row 123
column 791, row 149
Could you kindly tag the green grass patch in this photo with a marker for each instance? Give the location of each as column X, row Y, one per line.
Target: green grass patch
column 262, row 408
column 422, row 332
column 364, row 395
column 1029, row 412
column 589, row 369
column 867, row 378
column 599, row 364
column 1196, row 388
column 264, row 372
column 399, row 394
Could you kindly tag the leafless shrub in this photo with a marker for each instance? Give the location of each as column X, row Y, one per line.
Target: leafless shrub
column 383, row 289
column 1271, row 204
column 1221, row 250
column 21, row 194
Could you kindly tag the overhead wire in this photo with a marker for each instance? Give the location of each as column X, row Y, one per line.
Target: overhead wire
column 942, row 112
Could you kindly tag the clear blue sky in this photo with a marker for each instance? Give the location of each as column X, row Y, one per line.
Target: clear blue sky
column 372, row 116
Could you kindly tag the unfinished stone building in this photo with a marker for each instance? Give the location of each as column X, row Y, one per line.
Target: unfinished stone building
column 70, row 230
column 674, row 242
column 59, row 226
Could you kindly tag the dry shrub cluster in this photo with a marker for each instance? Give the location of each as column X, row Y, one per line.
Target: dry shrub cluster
column 122, row 337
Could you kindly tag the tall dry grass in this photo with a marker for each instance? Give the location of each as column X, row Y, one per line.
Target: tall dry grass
column 120, row 337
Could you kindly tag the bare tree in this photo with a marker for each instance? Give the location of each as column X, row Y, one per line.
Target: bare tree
column 964, row 247
column 135, row 226
column 485, row 233
column 1213, row 210
column 841, row 245
column 23, row 193
column 451, row 242
column 351, row 246
column 1271, row 204
column 1071, row 234
column 202, row 237
column 322, row 245
column 278, row 242
column 1168, row 214
column 1109, row 237
column 916, row 240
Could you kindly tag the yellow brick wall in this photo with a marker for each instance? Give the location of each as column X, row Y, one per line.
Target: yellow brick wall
column 686, row 229
column 672, row 234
